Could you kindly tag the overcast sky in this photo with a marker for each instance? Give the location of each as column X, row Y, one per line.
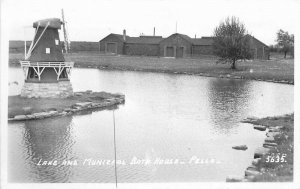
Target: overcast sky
column 91, row 20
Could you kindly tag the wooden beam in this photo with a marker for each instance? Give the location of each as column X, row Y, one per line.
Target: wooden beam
column 35, row 70
column 39, row 73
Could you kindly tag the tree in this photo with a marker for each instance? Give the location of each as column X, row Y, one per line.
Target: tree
column 230, row 42
column 274, row 48
column 285, row 41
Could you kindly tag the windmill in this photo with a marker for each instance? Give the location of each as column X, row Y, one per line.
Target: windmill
column 67, row 43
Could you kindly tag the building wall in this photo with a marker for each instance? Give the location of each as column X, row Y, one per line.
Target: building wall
column 175, row 41
column 259, row 50
column 141, row 49
column 111, row 39
column 202, row 50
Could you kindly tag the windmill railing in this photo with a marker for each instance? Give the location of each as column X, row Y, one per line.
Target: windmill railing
column 47, row 64
column 39, row 67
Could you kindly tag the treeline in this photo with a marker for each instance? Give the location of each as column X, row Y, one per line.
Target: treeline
column 76, row 46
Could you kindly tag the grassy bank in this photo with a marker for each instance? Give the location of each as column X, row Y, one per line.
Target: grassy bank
column 277, row 69
column 278, row 171
column 26, row 106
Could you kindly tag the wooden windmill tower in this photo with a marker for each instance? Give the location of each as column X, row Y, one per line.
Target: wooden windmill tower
column 45, row 69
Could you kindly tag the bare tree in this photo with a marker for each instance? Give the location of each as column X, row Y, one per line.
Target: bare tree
column 230, row 42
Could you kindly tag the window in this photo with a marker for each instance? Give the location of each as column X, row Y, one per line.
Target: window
column 56, row 42
column 47, row 50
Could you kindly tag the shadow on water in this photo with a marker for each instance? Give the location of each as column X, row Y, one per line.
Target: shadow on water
column 228, row 101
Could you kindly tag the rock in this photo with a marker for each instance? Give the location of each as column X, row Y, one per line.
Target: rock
column 78, row 93
column 273, row 134
column 252, row 173
column 67, row 109
column 63, row 113
column 53, row 113
column 279, row 127
column 256, row 161
column 269, row 144
column 270, row 139
column 119, row 100
column 46, row 114
column 274, row 129
column 240, row 147
column 30, row 116
column 252, row 167
column 94, row 104
column 260, row 127
column 20, row 117
column 260, row 152
column 41, row 115
column 232, row 178
column 83, row 104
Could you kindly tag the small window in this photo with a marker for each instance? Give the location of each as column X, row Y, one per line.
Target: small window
column 47, row 50
column 56, row 42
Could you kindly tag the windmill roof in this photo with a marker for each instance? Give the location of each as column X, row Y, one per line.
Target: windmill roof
column 53, row 23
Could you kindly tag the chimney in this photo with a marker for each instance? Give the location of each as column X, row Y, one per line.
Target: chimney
column 154, row 31
column 195, row 36
column 124, row 35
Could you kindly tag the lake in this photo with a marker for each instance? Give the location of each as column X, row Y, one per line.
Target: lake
column 184, row 125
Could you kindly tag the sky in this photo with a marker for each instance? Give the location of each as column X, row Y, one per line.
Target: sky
column 92, row 20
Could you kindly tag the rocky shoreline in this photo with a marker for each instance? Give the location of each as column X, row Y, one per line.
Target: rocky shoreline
column 274, row 160
column 92, row 100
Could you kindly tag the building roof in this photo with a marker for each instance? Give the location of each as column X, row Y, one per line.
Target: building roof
column 119, row 36
column 203, row 41
column 144, row 40
column 196, row 41
column 252, row 37
column 186, row 37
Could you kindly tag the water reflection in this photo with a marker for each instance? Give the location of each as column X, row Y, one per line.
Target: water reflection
column 228, row 102
column 49, row 140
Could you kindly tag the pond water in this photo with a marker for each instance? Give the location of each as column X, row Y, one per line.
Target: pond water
column 190, row 119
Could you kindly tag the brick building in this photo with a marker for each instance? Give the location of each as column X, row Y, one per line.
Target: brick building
column 176, row 45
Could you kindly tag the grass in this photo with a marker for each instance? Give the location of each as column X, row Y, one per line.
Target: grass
column 276, row 69
column 279, row 171
column 25, row 106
